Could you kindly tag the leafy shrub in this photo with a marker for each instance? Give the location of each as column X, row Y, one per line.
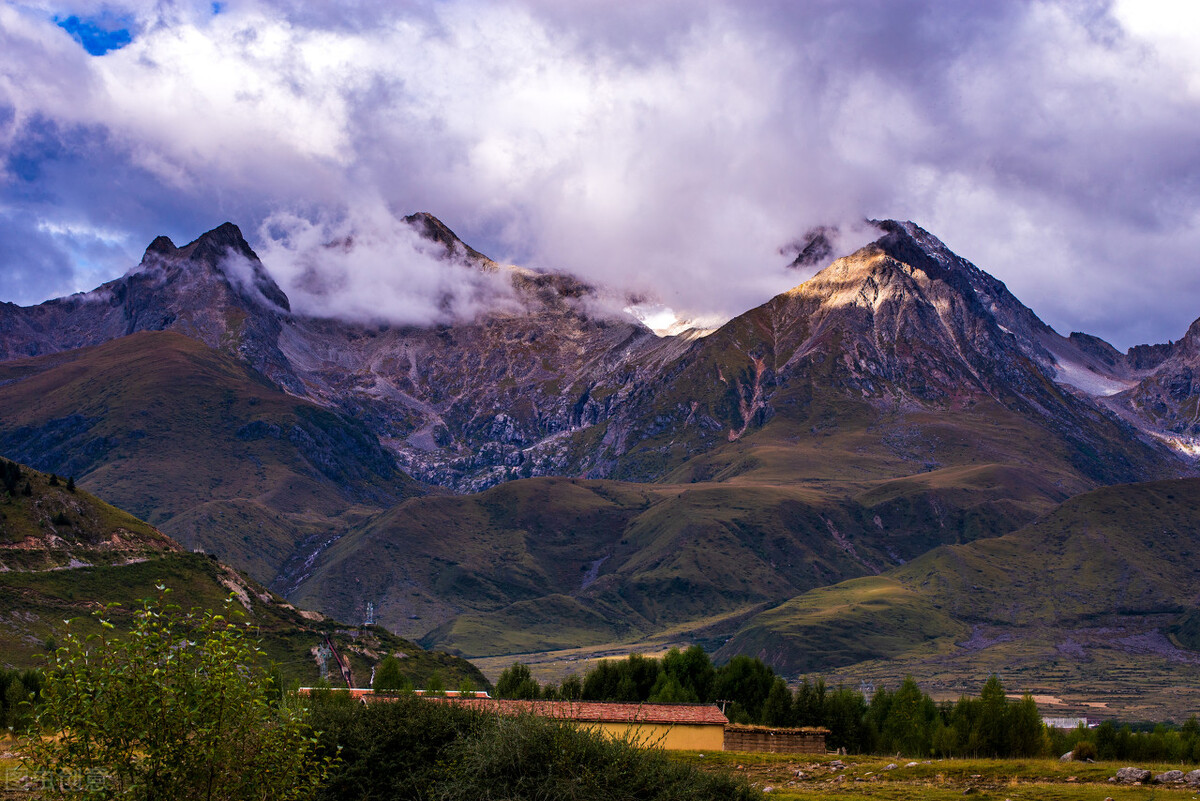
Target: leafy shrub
column 178, row 709
column 530, row 757
column 388, row 750
column 418, row 748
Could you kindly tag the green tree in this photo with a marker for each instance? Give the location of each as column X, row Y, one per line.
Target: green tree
column 668, row 690
column 71, row 484
column 693, row 669
column 390, row 678
column 435, row 686
column 10, row 474
column 1026, row 734
column 845, row 717
column 517, row 682
column 16, row 706
column 599, row 683
column 176, row 709
column 746, row 681
column 906, row 728
column 810, row 703
column 777, row 709
column 993, row 713
column 966, row 722
column 571, row 689
column 944, row 741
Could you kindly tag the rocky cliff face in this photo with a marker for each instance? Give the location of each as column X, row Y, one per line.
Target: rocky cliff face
column 1167, row 399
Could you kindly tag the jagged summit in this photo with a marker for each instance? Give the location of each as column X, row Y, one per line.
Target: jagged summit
column 213, row 250
column 217, row 244
column 435, row 230
column 161, row 246
column 211, row 246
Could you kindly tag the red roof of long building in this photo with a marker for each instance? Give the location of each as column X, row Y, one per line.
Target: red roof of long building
column 599, row 711
column 591, row 711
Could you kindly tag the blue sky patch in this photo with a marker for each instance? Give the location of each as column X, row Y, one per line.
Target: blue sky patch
column 97, row 36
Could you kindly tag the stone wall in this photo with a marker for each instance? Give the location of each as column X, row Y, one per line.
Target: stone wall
column 775, row 741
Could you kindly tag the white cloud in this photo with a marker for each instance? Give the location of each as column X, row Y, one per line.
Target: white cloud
column 371, row 267
column 670, row 149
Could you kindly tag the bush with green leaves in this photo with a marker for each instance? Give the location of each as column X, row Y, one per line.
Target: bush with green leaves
column 178, row 708
column 417, row 748
column 531, row 757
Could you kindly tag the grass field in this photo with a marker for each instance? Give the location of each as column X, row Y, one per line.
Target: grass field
column 804, row 776
column 866, row 777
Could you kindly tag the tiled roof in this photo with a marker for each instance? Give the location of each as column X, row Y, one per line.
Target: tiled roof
column 594, row 711
column 599, row 711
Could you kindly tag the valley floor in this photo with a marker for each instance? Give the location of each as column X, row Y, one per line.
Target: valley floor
column 866, row 777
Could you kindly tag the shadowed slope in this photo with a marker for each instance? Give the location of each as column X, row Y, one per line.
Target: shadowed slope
column 65, row 554
column 197, row 443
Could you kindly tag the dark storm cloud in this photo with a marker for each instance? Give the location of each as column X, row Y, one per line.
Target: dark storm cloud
column 671, row 148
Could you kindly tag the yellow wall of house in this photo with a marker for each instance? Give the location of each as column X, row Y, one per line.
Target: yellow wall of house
column 672, row 737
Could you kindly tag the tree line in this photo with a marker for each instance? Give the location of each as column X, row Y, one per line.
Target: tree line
column 12, row 477
column 19, row 692
column 1112, row 741
column 901, row 721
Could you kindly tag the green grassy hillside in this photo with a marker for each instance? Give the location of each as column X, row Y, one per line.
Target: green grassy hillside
column 96, row 554
column 37, row 604
column 544, row 564
column 1128, row 549
column 198, row 444
column 56, row 525
column 1098, row 598
column 831, row 627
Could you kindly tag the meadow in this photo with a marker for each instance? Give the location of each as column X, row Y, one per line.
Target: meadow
column 866, row 777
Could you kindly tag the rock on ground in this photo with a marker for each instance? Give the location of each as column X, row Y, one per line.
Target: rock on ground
column 1132, row 775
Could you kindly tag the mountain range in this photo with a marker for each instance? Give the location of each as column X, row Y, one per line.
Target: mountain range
column 551, row 474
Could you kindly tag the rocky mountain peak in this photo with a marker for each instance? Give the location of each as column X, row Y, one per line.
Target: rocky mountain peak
column 905, row 264
column 161, row 246
column 226, row 254
column 435, row 230
column 911, row 245
column 215, row 246
column 908, row 243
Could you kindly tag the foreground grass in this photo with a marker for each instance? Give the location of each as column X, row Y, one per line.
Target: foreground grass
column 10, row 769
column 866, row 778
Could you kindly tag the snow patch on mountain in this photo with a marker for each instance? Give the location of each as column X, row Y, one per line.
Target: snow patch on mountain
column 1082, row 378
